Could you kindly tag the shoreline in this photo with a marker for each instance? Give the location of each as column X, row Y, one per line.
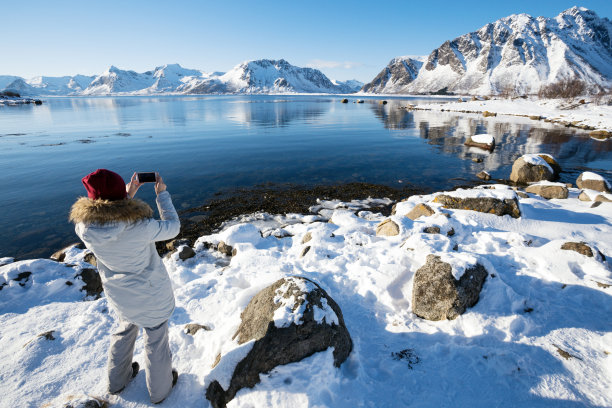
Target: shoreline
column 582, row 113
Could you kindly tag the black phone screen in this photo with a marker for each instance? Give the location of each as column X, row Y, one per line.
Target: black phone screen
column 146, row 177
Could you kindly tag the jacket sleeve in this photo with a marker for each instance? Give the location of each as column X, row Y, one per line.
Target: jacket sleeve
column 169, row 226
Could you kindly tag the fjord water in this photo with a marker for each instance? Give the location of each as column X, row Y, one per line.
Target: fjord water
column 203, row 145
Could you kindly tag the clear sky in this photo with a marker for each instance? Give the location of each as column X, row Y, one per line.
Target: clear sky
column 345, row 39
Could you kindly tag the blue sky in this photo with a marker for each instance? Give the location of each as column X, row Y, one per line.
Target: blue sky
column 345, row 39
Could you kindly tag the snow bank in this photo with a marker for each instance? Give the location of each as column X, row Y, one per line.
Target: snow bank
column 539, row 334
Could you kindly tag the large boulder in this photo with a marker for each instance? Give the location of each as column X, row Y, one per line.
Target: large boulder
column 593, row 181
column 387, row 228
column 437, row 295
column 549, row 190
column 490, row 205
column 289, row 320
column 531, row 168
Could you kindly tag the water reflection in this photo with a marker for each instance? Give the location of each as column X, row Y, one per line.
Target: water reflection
column 276, row 112
column 514, row 136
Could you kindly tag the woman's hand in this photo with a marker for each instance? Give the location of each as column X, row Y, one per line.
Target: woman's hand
column 159, row 184
column 132, row 187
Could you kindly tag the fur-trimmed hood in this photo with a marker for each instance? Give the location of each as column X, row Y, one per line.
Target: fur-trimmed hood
column 102, row 212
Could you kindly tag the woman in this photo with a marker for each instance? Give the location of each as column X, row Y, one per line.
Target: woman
column 121, row 232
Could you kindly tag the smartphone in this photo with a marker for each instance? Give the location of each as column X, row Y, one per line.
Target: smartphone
column 146, row 177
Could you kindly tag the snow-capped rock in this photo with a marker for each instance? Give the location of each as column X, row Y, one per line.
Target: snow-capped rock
column 518, row 53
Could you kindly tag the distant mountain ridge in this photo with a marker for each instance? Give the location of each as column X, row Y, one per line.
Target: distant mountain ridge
column 519, row 52
column 250, row 77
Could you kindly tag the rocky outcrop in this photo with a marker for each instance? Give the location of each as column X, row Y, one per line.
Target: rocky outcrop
column 289, row 320
column 531, row 168
column 488, row 205
column 437, row 295
column 548, row 191
column 387, row 228
column 593, row 181
column 420, row 210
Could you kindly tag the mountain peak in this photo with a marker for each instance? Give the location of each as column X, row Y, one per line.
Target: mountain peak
column 516, row 52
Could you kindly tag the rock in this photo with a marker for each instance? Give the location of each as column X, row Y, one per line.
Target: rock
column 521, row 194
column 387, row 228
column 483, row 175
column 421, row 210
column 477, row 160
column 474, row 98
column 304, row 251
column 90, row 258
column 580, row 247
column 360, row 101
column 193, row 328
column 284, row 341
column 531, row 168
column 535, row 117
column 60, row 255
column 584, row 196
column 344, row 100
column 485, row 142
column 432, row 230
column 488, row 205
column 23, row 278
column 487, row 113
column 437, row 295
column 93, row 282
column 460, row 100
column 548, row 191
column 186, row 252
column 603, row 199
column 450, row 232
column 382, row 102
column 307, row 237
column 600, row 134
column 552, row 163
column 593, row 181
column 175, row 244
column 83, row 401
column 225, row 249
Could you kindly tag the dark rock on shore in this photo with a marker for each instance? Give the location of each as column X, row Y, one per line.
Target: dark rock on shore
column 437, row 295
column 481, row 204
column 288, row 343
column 93, row 282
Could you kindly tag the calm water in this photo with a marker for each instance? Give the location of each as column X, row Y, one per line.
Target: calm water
column 202, row 145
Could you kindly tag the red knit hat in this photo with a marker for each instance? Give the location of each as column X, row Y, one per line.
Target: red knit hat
column 104, row 184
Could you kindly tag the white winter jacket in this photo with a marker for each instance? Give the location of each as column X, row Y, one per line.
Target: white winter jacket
column 122, row 236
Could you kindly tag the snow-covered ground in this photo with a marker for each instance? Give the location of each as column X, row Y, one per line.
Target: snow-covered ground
column 540, row 335
column 556, row 110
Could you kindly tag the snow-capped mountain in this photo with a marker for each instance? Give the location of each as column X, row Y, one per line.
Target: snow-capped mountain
column 260, row 76
column 266, row 76
column 400, row 72
column 518, row 52
column 349, row 86
column 162, row 79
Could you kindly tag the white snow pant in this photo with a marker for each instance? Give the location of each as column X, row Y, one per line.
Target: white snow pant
column 158, row 359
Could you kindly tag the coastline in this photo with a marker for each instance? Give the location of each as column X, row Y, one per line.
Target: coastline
column 581, row 113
